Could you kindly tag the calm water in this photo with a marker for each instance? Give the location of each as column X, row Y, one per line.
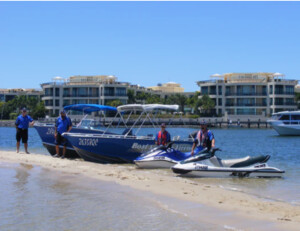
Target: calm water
column 33, row 194
column 39, row 199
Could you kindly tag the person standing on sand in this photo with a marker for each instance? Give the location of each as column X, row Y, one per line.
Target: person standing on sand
column 22, row 123
column 163, row 136
column 204, row 139
column 62, row 124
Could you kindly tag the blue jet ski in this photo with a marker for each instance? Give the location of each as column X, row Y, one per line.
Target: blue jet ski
column 161, row 157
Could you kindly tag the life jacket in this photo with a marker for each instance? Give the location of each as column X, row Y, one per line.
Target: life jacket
column 162, row 138
column 203, row 139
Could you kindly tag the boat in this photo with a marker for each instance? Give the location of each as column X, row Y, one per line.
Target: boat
column 125, row 147
column 286, row 123
column 46, row 130
column 161, row 157
column 207, row 164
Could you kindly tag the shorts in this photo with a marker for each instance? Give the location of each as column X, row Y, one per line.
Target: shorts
column 60, row 140
column 22, row 134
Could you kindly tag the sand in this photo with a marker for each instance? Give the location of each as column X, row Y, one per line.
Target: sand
column 241, row 206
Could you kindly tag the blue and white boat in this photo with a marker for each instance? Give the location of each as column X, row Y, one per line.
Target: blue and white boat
column 126, row 147
column 46, row 130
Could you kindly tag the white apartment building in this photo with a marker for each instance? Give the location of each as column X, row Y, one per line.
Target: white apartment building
column 98, row 89
column 250, row 93
column 82, row 90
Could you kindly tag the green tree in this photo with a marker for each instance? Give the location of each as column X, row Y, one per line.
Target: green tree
column 114, row 103
column 131, row 96
column 207, row 104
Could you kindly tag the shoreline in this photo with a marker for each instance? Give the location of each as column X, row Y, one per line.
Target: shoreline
column 281, row 215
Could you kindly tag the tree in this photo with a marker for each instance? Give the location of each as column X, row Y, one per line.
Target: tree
column 179, row 99
column 39, row 111
column 207, row 104
column 114, row 103
column 131, row 96
column 35, row 107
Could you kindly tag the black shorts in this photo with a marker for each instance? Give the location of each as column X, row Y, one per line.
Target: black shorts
column 60, row 140
column 22, row 134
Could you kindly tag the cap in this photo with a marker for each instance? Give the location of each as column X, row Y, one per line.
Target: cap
column 163, row 125
column 24, row 109
column 62, row 112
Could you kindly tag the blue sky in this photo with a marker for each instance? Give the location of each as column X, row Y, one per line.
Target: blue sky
column 146, row 42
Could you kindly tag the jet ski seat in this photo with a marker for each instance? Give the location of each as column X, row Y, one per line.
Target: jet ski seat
column 243, row 162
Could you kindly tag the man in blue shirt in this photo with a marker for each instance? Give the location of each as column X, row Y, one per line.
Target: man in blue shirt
column 63, row 124
column 22, row 123
column 204, row 139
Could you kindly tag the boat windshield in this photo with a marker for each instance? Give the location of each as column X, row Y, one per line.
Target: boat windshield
column 276, row 116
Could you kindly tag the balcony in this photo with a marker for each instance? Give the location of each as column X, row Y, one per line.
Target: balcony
column 245, row 94
column 245, row 104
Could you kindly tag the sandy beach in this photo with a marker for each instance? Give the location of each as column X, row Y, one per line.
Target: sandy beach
column 254, row 213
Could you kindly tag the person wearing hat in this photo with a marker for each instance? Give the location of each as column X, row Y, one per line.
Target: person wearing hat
column 204, row 139
column 62, row 124
column 163, row 136
column 22, row 123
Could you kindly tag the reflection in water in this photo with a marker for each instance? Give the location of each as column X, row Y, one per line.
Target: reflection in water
column 38, row 199
column 22, row 174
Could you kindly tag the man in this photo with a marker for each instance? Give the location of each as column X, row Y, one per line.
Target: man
column 22, row 123
column 204, row 139
column 63, row 124
column 163, row 137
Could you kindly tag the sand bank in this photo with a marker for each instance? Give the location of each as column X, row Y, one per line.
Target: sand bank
column 241, row 206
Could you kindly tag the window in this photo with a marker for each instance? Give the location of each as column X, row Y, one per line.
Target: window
column 56, row 91
column 220, row 90
column 289, row 90
column 220, row 101
column 109, row 91
column 295, row 117
column 67, row 92
column 285, row 117
column 120, row 91
column 271, row 89
column 57, row 103
column 204, row 90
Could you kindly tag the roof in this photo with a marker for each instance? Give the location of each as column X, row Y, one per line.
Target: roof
column 88, row 108
column 287, row 112
column 147, row 107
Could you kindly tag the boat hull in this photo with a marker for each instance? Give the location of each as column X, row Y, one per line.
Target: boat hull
column 46, row 133
column 113, row 148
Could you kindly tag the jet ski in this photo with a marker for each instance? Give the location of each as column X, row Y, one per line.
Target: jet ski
column 207, row 164
column 161, row 157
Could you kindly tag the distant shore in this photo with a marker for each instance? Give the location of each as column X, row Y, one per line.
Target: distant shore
column 184, row 122
column 281, row 215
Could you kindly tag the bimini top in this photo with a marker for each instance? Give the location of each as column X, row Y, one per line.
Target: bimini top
column 147, row 107
column 88, row 108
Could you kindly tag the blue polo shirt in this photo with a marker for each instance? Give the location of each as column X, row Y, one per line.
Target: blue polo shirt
column 23, row 121
column 63, row 125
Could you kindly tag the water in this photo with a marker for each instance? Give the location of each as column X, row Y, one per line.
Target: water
column 38, row 199
column 62, row 199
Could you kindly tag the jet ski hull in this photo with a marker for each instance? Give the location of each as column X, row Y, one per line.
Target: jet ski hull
column 198, row 170
column 155, row 163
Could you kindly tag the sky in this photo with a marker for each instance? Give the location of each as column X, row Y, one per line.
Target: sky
column 146, row 43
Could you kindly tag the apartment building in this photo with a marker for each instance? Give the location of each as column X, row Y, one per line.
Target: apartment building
column 98, row 89
column 82, row 90
column 170, row 87
column 9, row 94
column 250, row 93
